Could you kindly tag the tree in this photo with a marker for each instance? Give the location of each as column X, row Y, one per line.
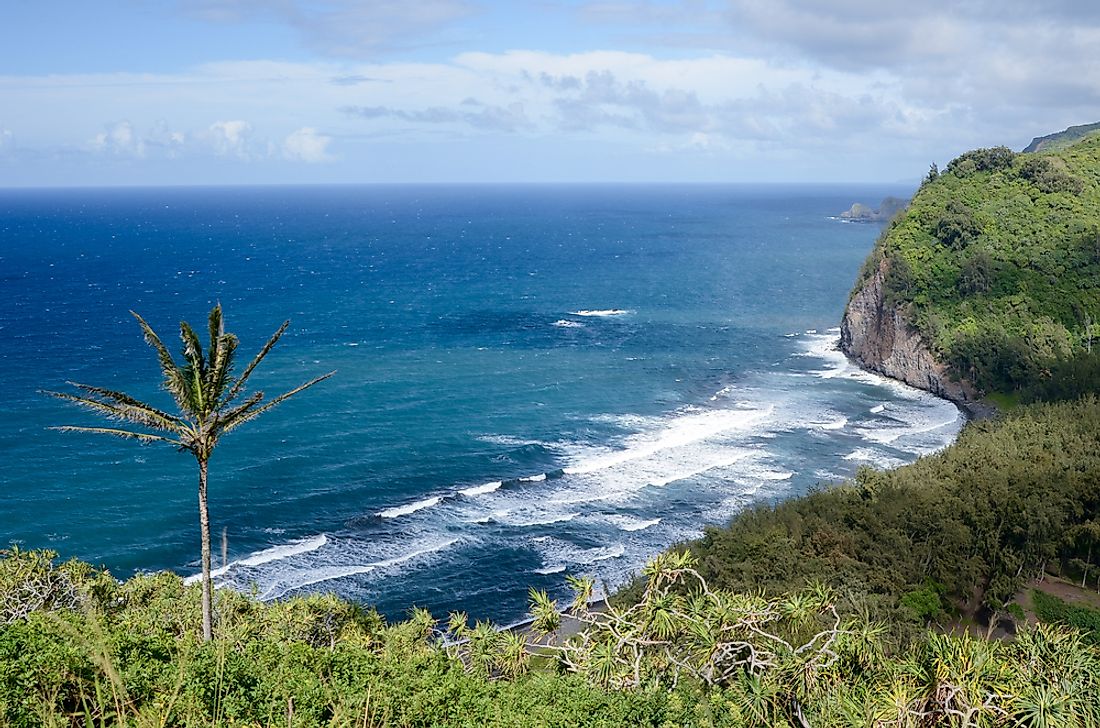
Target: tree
column 206, row 395
column 933, row 173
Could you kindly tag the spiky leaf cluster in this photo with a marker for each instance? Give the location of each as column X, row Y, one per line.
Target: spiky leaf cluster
column 210, row 399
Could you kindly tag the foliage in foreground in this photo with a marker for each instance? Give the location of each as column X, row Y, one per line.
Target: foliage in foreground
column 103, row 653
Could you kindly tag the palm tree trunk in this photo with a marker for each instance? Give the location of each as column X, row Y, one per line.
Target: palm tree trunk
column 204, row 525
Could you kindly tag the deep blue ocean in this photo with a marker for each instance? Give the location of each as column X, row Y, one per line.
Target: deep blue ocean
column 531, row 381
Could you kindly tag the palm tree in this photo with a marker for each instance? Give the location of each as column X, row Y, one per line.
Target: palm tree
column 206, row 394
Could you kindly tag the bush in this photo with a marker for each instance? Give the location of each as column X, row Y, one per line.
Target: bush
column 956, row 228
column 982, row 160
column 1050, row 608
column 976, row 275
column 993, row 359
column 1049, row 175
column 1066, row 379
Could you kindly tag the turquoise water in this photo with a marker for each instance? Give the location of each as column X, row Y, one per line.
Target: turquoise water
column 532, row 381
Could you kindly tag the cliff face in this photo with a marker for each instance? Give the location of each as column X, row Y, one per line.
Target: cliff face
column 879, row 338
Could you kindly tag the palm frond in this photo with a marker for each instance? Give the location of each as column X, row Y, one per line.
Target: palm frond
column 121, row 398
column 219, row 357
column 221, row 368
column 127, row 434
column 239, row 384
column 174, row 380
column 229, row 418
column 194, row 370
column 122, row 412
column 217, row 328
column 249, row 416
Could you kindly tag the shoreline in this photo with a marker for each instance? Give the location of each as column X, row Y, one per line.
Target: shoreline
column 854, row 370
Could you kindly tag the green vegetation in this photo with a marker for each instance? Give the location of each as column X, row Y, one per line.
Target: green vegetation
column 205, row 390
column 1050, row 608
column 834, row 609
column 78, row 648
column 1062, row 139
column 964, row 529
column 997, row 262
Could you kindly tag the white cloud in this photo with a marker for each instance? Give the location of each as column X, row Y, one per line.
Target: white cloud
column 307, row 145
column 711, row 107
column 230, row 138
column 119, row 139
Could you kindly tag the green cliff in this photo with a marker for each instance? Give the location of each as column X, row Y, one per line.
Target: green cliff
column 1062, row 139
column 989, row 278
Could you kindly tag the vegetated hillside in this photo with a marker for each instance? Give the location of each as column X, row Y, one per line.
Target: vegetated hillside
column 78, row 648
column 961, row 530
column 1062, row 139
column 996, row 264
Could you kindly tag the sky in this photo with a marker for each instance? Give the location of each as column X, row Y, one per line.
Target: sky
column 188, row 92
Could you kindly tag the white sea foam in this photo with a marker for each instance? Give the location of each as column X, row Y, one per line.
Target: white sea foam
column 837, row 424
column 405, row 510
column 683, row 430
column 544, row 520
column 266, row 556
column 481, row 489
column 724, row 462
column 601, row 312
column 869, row 455
column 889, row 435
column 774, row 475
column 555, row 569
column 310, row 574
column 604, row 553
column 316, row 576
column 567, row 324
column 626, row 523
column 878, row 408
column 510, row 441
column 421, row 551
column 559, row 552
column 533, row 478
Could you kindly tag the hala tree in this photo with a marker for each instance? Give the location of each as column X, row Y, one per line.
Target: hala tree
column 210, row 400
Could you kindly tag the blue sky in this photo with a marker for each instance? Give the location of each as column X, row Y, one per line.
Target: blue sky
column 131, row 92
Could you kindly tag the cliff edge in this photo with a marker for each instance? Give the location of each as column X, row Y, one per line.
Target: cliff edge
column 878, row 337
column 988, row 279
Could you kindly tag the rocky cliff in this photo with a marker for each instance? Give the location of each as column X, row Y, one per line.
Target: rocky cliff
column 879, row 338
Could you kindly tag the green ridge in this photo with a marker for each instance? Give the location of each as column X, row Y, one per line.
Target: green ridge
column 1062, row 139
column 996, row 262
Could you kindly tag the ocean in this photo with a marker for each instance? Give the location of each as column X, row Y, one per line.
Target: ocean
column 531, row 381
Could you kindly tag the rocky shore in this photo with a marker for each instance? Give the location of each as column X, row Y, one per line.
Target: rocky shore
column 878, row 337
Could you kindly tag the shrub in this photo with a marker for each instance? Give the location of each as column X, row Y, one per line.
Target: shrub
column 1050, row 608
column 1049, row 175
column 982, row 160
column 956, row 227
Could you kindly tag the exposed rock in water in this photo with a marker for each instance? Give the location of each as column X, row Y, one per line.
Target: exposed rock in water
column 879, row 338
column 884, row 213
